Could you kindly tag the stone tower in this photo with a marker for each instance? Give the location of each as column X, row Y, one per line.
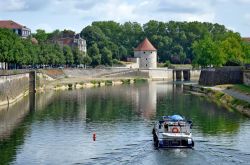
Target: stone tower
column 147, row 54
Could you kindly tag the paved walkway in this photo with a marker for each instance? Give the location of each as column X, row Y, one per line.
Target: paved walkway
column 234, row 93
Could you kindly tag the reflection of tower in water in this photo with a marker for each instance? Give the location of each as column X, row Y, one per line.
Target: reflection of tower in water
column 147, row 100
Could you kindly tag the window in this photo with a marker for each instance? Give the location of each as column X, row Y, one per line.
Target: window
column 146, row 59
column 144, row 52
column 146, row 65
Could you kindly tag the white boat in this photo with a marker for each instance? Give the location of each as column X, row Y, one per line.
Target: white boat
column 173, row 132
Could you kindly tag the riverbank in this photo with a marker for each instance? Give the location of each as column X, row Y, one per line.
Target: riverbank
column 78, row 83
column 224, row 95
column 63, row 79
column 46, row 83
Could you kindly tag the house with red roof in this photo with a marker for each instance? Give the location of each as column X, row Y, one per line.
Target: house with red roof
column 17, row 28
column 147, row 55
column 75, row 41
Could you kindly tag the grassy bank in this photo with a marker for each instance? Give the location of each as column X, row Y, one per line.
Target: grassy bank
column 223, row 99
column 241, row 88
column 229, row 101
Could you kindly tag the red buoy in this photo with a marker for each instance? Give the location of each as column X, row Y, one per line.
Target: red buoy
column 94, row 136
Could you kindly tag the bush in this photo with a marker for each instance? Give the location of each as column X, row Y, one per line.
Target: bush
column 125, row 81
column 167, row 63
column 115, row 61
column 108, row 82
column 234, row 62
column 138, row 80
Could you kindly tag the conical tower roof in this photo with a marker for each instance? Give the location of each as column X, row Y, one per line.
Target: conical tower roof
column 145, row 45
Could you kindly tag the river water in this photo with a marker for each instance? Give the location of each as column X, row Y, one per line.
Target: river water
column 59, row 128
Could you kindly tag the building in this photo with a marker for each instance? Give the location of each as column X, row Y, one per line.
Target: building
column 246, row 40
column 21, row 30
column 75, row 41
column 147, row 55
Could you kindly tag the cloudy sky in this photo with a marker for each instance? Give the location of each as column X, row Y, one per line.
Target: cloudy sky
column 76, row 14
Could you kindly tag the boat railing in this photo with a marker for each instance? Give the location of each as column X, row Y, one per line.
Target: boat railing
column 176, row 127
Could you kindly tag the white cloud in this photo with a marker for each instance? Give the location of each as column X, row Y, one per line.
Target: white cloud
column 12, row 5
column 76, row 13
column 22, row 5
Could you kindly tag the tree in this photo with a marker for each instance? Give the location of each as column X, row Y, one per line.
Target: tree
column 68, row 55
column 93, row 50
column 78, row 56
column 246, row 49
column 86, row 60
column 59, row 58
column 233, row 50
column 207, row 53
column 41, row 35
column 106, row 57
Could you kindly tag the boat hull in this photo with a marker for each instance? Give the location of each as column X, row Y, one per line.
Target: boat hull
column 172, row 141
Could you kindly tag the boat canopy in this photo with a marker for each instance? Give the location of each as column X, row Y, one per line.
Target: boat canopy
column 173, row 118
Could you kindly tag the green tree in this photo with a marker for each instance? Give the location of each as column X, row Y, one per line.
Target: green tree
column 233, row 50
column 106, row 57
column 69, row 58
column 41, row 35
column 207, row 53
column 86, row 60
column 93, row 50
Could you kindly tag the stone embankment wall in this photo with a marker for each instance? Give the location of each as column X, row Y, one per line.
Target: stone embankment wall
column 13, row 87
column 218, row 76
column 246, row 77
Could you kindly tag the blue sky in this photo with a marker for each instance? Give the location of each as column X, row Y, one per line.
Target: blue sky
column 76, row 14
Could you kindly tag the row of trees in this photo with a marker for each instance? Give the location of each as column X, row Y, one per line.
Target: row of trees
column 108, row 41
column 18, row 52
column 177, row 42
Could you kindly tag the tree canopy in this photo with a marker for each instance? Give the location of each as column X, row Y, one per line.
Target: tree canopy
column 179, row 42
column 203, row 44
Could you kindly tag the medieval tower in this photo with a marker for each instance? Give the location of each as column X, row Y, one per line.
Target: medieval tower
column 147, row 55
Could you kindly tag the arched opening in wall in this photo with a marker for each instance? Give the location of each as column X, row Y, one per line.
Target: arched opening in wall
column 146, row 65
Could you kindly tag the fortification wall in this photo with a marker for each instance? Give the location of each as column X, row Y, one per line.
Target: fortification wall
column 166, row 74
column 218, row 76
column 13, row 87
column 246, row 77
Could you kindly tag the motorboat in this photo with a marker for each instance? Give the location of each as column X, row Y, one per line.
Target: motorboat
column 173, row 132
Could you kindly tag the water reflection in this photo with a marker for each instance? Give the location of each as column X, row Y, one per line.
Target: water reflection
column 60, row 129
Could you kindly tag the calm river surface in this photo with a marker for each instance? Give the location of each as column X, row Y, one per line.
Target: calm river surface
column 59, row 129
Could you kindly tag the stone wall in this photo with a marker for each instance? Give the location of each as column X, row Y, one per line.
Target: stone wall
column 218, row 76
column 12, row 87
column 246, row 77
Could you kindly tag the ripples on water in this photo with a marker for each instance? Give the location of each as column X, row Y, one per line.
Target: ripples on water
column 59, row 129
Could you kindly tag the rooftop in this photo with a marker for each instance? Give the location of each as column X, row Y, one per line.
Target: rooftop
column 246, row 39
column 145, row 45
column 10, row 24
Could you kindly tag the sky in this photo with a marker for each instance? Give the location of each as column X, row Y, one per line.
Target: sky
column 77, row 14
